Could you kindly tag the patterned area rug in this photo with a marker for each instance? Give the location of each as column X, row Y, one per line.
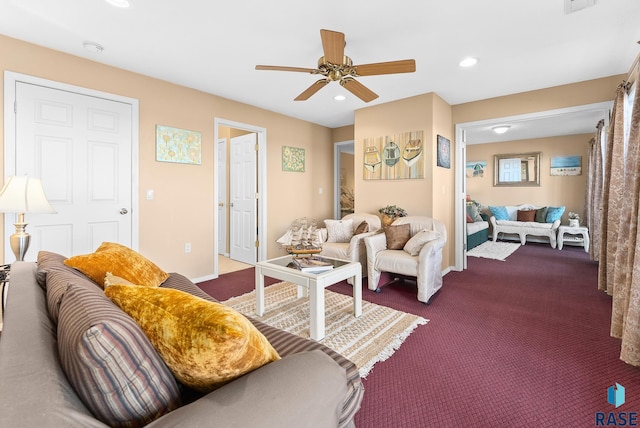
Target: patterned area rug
column 372, row 337
column 494, row 250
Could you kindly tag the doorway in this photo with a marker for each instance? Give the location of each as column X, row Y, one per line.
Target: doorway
column 250, row 226
column 580, row 119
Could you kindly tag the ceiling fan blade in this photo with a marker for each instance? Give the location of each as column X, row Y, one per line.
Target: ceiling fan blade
column 312, row 90
column 358, row 89
column 391, row 67
column 279, row 68
column 333, row 46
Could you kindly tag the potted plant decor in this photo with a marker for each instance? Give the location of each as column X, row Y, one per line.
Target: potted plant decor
column 574, row 219
column 390, row 212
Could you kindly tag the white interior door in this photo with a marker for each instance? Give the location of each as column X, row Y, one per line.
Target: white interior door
column 243, row 202
column 222, row 197
column 81, row 148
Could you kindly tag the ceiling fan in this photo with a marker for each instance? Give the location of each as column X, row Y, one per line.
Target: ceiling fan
column 336, row 66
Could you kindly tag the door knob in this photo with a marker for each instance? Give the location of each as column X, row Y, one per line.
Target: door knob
column 123, row 211
column 221, row 204
column 231, row 204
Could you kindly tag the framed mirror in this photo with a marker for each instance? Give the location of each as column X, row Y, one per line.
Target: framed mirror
column 517, row 169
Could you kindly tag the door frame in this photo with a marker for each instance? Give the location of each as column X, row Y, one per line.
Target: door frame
column 10, row 80
column 224, row 173
column 261, row 186
column 338, row 148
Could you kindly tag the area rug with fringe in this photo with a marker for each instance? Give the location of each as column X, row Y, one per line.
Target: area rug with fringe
column 366, row 340
column 494, row 250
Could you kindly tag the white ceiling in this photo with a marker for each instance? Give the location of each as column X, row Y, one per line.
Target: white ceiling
column 213, row 46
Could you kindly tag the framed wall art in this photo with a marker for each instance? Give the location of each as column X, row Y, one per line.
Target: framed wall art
column 444, row 152
column 566, row 165
column 394, row 157
column 292, row 159
column 178, row 145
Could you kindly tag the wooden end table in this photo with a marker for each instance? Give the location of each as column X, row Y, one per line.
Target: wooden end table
column 311, row 285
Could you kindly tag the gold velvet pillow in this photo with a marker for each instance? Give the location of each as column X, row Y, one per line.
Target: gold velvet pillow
column 204, row 344
column 397, row 236
column 121, row 261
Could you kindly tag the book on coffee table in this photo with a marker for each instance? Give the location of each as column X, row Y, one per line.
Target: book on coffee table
column 311, row 264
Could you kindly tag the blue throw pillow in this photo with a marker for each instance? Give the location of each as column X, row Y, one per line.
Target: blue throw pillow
column 500, row 213
column 554, row 213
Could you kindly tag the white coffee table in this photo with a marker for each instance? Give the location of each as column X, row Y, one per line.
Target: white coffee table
column 311, row 285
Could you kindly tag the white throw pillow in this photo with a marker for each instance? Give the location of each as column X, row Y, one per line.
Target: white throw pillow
column 339, row 230
column 415, row 244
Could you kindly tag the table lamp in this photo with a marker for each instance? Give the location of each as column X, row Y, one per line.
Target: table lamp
column 23, row 194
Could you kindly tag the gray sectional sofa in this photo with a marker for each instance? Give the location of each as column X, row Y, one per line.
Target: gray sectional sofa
column 310, row 386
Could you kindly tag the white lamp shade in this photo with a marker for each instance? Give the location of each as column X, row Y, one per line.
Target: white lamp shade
column 23, row 194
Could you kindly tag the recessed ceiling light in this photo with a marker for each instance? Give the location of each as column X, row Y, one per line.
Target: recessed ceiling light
column 339, row 98
column 93, row 47
column 120, row 3
column 501, row 129
column 468, row 62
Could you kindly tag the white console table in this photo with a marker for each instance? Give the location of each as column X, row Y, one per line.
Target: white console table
column 575, row 235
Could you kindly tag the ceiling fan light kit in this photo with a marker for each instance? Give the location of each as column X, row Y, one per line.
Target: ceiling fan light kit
column 335, row 66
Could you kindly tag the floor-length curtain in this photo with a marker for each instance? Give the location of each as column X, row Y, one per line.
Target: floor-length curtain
column 612, row 195
column 625, row 321
column 593, row 204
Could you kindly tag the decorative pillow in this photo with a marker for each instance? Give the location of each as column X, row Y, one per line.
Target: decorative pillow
column 362, row 228
column 541, row 215
column 121, row 261
column 397, row 236
column 110, row 362
column 110, row 279
column 500, row 213
column 205, row 344
column 526, row 215
column 417, row 241
column 469, row 219
column 472, row 211
column 554, row 213
column 339, row 230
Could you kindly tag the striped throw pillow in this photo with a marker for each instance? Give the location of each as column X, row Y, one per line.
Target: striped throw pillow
column 111, row 364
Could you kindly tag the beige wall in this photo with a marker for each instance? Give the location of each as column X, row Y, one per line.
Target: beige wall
column 182, row 210
column 431, row 196
column 553, row 191
column 575, row 94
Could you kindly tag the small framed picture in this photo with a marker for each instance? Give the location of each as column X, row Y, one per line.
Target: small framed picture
column 444, row 152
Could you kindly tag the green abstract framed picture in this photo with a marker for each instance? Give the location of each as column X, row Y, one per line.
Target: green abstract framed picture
column 292, row 159
column 178, row 145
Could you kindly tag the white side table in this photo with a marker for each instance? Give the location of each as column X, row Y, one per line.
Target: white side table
column 578, row 235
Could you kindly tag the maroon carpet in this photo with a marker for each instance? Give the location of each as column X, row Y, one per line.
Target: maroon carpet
column 519, row 343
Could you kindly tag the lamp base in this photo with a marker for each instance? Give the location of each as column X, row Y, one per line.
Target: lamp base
column 20, row 241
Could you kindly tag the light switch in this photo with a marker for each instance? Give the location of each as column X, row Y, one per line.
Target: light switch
column 320, row 191
column 150, row 194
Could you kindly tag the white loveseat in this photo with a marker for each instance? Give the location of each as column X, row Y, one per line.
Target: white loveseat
column 425, row 265
column 525, row 228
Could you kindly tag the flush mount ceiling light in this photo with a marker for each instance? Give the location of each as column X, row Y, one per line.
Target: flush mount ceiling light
column 93, row 47
column 468, row 62
column 339, row 98
column 501, row 129
column 120, row 3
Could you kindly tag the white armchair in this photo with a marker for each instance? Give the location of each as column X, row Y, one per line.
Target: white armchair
column 428, row 238
column 353, row 250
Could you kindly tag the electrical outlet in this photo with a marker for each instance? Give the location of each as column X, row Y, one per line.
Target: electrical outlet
column 187, row 247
